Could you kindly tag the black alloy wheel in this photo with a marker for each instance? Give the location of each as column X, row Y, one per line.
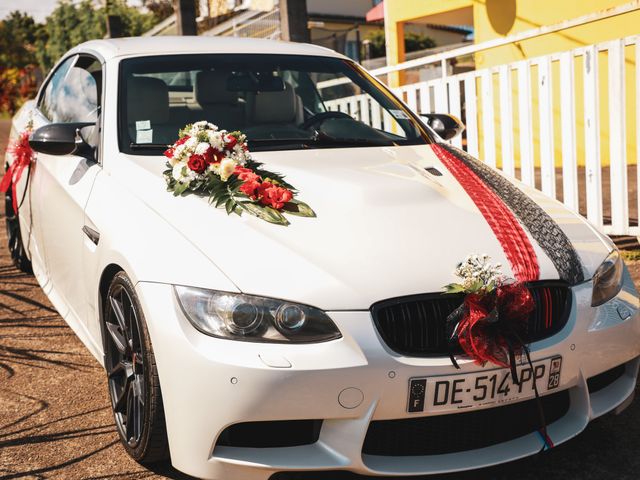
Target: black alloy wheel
column 14, row 238
column 134, row 387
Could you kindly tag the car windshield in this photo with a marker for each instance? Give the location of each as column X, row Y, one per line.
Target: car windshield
column 279, row 101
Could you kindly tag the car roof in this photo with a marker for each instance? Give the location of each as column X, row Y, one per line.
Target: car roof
column 170, row 45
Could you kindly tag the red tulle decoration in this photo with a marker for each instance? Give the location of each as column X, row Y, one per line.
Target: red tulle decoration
column 22, row 156
column 493, row 326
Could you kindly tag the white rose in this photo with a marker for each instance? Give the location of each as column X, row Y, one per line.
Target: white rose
column 227, row 166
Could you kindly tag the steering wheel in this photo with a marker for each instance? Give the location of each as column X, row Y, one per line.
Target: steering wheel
column 321, row 117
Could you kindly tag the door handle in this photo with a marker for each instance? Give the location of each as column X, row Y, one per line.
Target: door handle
column 92, row 234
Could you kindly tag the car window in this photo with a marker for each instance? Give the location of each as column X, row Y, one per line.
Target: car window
column 73, row 93
column 279, row 101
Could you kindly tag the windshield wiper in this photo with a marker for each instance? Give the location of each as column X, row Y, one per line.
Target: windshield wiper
column 324, row 139
column 147, row 146
column 280, row 141
column 321, row 140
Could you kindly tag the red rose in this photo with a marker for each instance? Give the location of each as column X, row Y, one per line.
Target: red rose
column 168, row 152
column 273, row 195
column 230, row 141
column 209, row 155
column 197, row 163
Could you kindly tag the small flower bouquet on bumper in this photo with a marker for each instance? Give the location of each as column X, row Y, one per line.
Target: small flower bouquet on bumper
column 216, row 163
column 491, row 324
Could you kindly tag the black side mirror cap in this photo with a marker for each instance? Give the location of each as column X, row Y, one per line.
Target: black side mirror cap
column 445, row 125
column 60, row 139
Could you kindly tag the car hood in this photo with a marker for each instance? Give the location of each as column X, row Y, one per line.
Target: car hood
column 387, row 225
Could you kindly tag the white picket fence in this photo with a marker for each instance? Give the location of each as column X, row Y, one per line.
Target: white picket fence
column 461, row 95
column 481, row 97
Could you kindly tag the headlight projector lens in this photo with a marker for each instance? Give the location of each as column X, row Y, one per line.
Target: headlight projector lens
column 243, row 319
column 290, row 318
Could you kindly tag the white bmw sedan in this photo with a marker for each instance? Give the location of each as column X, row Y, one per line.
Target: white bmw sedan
column 306, row 336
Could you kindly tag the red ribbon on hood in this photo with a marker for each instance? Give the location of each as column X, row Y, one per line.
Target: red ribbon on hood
column 514, row 240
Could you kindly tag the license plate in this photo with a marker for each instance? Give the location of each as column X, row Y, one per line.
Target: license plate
column 489, row 387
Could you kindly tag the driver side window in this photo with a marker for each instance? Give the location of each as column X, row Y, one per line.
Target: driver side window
column 73, row 92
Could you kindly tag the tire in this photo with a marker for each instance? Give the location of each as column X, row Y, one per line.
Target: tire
column 132, row 375
column 14, row 237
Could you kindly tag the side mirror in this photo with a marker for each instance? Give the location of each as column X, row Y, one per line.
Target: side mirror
column 61, row 139
column 445, row 125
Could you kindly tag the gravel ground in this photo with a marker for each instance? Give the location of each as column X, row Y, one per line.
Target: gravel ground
column 55, row 420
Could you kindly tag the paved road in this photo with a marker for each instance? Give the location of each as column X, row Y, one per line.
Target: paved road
column 55, row 421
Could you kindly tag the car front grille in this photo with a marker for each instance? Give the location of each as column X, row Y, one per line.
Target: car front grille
column 415, row 325
column 457, row 432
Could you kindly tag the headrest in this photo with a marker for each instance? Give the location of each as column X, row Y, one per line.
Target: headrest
column 147, row 99
column 275, row 107
column 211, row 88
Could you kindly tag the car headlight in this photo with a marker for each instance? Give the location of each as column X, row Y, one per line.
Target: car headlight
column 255, row 319
column 607, row 280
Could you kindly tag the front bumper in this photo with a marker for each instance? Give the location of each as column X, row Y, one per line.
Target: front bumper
column 209, row 384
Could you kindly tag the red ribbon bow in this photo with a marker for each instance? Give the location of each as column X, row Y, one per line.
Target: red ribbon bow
column 494, row 326
column 23, row 154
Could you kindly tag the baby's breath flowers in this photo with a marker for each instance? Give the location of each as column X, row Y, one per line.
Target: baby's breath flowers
column 477, row 275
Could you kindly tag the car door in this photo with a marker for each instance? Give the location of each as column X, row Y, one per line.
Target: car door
column 63, row 183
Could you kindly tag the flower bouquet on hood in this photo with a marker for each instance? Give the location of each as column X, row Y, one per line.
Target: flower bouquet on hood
column 216, row 163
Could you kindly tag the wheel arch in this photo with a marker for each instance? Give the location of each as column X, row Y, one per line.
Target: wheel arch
column 107, row 275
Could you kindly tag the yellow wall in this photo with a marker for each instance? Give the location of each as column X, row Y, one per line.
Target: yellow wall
column 499, row 18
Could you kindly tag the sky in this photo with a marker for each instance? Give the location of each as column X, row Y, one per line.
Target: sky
column 38, row 9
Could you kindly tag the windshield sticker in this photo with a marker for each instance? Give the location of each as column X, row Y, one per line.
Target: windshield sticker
column 143, row 125
column 144, row 136
column 399, row 115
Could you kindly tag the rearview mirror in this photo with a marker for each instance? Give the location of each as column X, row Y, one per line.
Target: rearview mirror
column 445, row 125
column 61, row 139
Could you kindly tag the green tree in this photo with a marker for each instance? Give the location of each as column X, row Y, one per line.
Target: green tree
column 18, row 34
column 412, row 42
column 70, row 24
column 18, row 73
